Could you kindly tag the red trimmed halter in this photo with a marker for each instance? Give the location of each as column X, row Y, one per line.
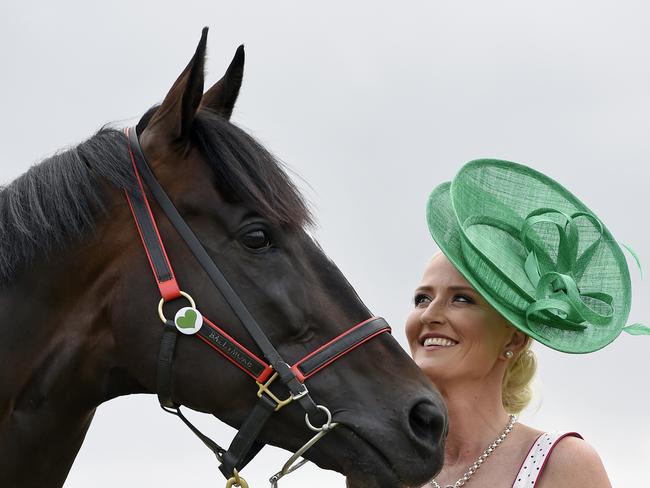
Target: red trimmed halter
column 244, row 445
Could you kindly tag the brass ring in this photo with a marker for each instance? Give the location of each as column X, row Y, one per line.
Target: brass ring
column 162, row 302
column 236, row 480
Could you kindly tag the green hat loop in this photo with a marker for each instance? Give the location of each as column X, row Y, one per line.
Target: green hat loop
column 536, row 253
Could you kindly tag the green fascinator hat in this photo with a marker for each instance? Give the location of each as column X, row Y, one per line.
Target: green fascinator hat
column 536, row 253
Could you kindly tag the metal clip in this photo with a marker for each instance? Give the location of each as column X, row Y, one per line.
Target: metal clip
column 294, row 461
column 326, row 426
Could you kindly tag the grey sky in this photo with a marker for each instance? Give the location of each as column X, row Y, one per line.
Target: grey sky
column 373, row 104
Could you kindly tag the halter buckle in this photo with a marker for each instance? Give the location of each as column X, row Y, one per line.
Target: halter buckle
column 264, row 388
column 304, row 391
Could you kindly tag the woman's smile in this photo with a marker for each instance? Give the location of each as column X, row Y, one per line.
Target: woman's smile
column 433, row 342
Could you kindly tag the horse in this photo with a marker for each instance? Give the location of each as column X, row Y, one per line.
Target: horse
column 78, row 302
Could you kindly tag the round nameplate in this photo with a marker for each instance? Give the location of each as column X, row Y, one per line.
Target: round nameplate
column 188, row 320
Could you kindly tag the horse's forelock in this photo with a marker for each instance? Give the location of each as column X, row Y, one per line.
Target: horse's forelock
column 247, row 172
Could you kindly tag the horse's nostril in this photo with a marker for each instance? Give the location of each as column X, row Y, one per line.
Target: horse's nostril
column 427, row 422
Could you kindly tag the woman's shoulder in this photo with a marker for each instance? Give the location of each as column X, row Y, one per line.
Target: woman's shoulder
column 574, row 463
column 571, row 461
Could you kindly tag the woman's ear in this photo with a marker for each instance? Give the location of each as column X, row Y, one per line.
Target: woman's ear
column 517, row 342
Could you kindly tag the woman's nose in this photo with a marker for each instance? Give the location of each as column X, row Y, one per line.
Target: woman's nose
column 434, row 313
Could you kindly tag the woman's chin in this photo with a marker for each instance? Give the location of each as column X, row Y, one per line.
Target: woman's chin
column 436, row 369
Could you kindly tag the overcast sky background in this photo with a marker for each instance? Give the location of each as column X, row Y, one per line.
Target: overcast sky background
column 373, row 104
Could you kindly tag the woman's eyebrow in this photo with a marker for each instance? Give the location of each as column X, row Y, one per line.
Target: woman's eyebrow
column 461, row 288
column 451, row 288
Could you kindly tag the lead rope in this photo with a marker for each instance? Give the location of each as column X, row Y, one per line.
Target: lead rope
column 210, row 444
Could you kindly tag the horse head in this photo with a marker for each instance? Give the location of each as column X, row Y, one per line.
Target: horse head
column 252, row 221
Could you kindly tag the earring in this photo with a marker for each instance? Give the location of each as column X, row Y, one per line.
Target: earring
column 508, row 354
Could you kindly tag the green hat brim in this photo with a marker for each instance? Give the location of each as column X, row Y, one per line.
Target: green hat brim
column 445, row 228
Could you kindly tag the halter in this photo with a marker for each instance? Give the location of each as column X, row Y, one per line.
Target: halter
column 188, row 320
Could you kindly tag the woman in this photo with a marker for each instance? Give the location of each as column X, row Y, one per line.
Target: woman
column 521, row 259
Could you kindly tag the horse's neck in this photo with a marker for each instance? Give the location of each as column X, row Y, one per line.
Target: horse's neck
column 38, row 446
column 42, row 420
column 49, row 318
column 56, row 368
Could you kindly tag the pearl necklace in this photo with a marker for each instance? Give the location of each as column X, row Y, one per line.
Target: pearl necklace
column 481, row 459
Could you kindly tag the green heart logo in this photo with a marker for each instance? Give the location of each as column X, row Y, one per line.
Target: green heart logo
column 188, row 320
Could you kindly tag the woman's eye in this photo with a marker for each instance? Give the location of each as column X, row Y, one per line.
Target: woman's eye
column 463, row 299
column 421, row 300
column 256, row 240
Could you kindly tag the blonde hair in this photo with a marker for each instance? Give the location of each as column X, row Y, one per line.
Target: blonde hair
column 516, row 391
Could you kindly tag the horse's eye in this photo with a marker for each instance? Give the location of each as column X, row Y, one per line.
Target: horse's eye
column 256, row 240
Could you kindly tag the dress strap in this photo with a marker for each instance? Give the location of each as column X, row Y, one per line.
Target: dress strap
column 534, row 462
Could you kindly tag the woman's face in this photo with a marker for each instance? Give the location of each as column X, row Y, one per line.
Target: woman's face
column 453, row 333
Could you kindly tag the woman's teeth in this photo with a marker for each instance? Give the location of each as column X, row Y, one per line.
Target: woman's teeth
column 439, row 341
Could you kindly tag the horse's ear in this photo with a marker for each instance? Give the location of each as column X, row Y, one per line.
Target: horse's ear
column 172, row 122
column 222, row 96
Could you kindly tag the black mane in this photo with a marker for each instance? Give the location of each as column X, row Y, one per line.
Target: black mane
column 58, row 200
